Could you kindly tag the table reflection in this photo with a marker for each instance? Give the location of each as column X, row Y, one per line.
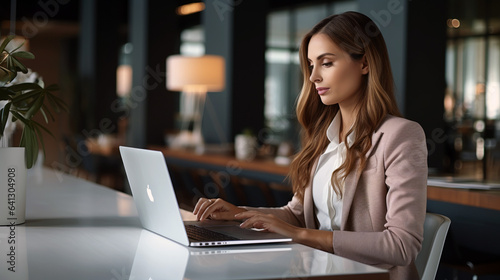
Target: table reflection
column 159, row 258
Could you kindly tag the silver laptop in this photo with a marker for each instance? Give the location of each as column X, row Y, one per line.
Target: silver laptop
column 159, row 212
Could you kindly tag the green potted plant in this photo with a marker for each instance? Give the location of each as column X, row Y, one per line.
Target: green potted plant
column 22, row 101
column 22, row 96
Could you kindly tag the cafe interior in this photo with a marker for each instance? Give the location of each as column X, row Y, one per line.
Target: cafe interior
column 124, row 68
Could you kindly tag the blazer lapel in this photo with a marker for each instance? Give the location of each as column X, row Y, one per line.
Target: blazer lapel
column 351, row 183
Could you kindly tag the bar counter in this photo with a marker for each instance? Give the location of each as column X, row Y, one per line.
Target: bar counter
column 488, row 199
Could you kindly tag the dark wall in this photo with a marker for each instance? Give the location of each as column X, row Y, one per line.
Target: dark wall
column 249, row 66
column 163, row 41
column 107, row 45
column 237, row 31
column 99, row 42
column 425, row 73
column 155, row 34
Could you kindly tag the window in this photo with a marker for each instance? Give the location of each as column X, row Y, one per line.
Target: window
column 472, row 99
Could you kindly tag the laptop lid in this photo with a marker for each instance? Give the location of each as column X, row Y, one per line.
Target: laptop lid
column 157, row 206
column 153, row 193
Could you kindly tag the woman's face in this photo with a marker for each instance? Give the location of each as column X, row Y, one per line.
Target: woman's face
column 336, row 76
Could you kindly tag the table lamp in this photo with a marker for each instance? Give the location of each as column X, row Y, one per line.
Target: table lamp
column 194, row 77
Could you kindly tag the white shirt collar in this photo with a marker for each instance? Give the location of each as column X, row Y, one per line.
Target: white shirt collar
column 333, row 131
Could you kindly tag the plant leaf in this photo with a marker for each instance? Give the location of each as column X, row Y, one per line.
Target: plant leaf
column 59, row 103
column 19, row 117
column 46, row 110
column 38, row 130
column 37, row 104
column 23, row 54
column 5, row 93
column 19, row 66
column 35, row 148
column 52, row 87
column 45, row 115
column 22, row 142
column 6, row 42
column 18, row 47
column 44, row 128
column 53, row 104
column 40, row 136
column 21, row 108
column 30, row 145
column 7, row 75
column 24, row 86
column 9, row 62
column 25, row 96
column 4, row 116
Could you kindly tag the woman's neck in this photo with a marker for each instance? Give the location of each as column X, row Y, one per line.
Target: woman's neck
column 347, row 119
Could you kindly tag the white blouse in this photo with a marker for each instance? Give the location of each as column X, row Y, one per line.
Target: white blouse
column 327, row 205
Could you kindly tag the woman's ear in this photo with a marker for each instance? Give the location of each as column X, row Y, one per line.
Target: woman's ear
column 364, row 65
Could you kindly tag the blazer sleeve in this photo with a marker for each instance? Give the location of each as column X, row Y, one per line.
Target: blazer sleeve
column 398, row 239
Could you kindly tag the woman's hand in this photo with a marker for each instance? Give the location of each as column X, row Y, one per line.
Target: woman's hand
column 267, row 222
column 215, row 209
column 319, row 239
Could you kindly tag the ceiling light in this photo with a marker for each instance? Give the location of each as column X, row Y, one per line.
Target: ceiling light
column 190, row 8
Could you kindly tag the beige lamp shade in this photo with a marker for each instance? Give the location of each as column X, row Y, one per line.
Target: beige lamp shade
column 195, row 74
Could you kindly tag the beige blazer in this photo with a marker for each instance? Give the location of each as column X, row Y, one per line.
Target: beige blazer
column 384, row 207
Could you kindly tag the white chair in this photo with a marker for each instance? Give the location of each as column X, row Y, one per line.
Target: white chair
column 435, row 230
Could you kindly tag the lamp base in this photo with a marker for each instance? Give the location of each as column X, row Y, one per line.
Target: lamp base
column 187, row 140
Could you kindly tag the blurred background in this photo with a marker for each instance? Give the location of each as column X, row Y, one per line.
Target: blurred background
column 108, row 57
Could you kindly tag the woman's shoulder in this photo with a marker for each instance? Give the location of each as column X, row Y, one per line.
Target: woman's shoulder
column 394, row 125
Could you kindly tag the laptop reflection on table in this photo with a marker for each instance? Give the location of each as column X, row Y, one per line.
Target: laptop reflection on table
column 158, row 258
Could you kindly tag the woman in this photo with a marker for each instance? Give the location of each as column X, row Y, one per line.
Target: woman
column 360, row 179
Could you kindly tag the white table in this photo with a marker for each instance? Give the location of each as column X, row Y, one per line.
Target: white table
column 79, row 230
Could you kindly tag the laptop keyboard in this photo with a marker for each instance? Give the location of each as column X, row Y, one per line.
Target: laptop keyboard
column 203, row 234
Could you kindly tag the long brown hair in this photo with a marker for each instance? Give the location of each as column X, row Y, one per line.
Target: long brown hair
column 357, row 35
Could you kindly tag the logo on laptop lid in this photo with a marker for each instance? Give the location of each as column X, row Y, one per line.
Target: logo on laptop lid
column 150, row 194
